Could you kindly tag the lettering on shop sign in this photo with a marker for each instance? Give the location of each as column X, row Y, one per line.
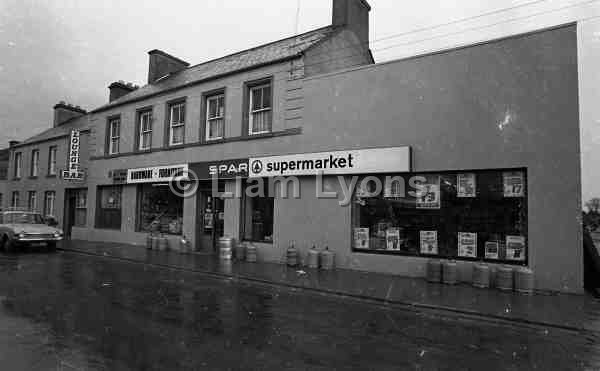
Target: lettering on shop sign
column 361, row 161
column 118, row 176
column 73, row 171
column 226, row 169
column 157, row 174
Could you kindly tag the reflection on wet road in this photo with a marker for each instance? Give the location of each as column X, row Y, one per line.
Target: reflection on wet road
column 67, row 311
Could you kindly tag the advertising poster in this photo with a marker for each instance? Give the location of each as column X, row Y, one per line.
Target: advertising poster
column 392, row 239
column 394, row 189
column 361, row 238
column 465, row 185
column 428, row 195
column 491, row 250
column 429, row 242
column 467, row 244
column 514, row 184
column 515, row 248
column 208, row 220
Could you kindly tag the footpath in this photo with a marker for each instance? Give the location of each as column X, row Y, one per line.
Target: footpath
column 569, row 312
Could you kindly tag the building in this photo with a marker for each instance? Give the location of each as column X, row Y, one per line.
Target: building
column 470, row 154
column 4, row 156
column 41, row 169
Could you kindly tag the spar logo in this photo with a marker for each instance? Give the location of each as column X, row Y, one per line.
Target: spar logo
column 257, row 166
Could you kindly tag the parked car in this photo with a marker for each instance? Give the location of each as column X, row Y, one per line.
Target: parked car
column 21, row 228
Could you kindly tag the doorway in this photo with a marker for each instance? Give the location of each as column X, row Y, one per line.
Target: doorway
column 211, row 225
column 75, row 210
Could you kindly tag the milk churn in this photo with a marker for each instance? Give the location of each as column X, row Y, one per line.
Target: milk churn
column 163, row 243
column 524, row 280
column 504, row 278
column 313, row 258
column 292, row 256
column 481, row 276
column 240, row 251
column 154, row 242
column 327, row 258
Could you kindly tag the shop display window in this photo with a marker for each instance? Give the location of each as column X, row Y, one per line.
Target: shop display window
column 258, row 218
column 470, row 215
column 159, row 210
column 109, row 207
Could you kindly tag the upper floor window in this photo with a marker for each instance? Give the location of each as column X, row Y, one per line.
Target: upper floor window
column 145, row 130
column 114, row 135
column 35, row 162
column 176, row 124
column 18, row 163
column 261, row 115
column 52, row 160
column 215, row 117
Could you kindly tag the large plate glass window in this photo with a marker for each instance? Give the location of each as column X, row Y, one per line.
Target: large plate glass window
column 261, row 114
column 215, row 117
column 470, row 215
column 114, row 136
column 145, row 130
column 109, row 207
column 257, row 216
column 159, row 210
column 176, row 124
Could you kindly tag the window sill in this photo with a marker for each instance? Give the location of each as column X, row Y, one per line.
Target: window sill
column 440, row 257
column 51, row 176
column 16, row 179
column 33, row 177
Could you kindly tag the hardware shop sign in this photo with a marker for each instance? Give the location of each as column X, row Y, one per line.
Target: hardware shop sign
column 74, row 171
column 224, row 169
column 157, row 174
column 359, row 161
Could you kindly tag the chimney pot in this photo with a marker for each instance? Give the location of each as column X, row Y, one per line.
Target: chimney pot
column 12, row 143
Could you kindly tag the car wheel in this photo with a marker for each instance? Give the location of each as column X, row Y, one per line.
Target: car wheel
column 52, row 246
column 10, row 246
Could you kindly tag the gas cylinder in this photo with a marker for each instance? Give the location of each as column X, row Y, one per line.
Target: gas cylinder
column 434, row 271
column 313, row 258
column 327, row 258
column 225, row 246
column 524, row 280
column 292, row 256
column 504, row 278
column 250, row 253
column 481, row 276
column 154, row 242
column 449, row 272
column 163, row 243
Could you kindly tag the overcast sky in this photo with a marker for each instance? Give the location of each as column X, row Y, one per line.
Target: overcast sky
column 71, row 50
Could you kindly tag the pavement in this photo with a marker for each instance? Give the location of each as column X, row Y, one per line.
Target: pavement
column 78, row 311
column 562, row 311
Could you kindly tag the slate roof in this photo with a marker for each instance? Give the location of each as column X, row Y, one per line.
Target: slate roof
column 80, row 123
column 264, row 54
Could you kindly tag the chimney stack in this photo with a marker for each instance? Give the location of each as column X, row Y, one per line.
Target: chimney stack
column 12, row 143
column 63, row 112
column 162, row 64
column 354, row 15
column 119, row 88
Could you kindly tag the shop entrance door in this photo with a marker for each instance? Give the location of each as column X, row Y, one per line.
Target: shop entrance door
column 211, row 221
column 69, row 216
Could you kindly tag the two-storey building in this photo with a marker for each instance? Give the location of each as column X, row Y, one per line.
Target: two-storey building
column 46, row 172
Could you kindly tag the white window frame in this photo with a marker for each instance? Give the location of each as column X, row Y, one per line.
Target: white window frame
column 114, row 139
column 49, row 198
column 176, row 124
column 35, row 162
column 18, row 163
column 147, row 131
column 52, row 160
column 220, row 116
column 32, row 206
column 252, row 112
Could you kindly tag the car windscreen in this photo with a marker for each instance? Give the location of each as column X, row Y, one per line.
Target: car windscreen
column 23, row 218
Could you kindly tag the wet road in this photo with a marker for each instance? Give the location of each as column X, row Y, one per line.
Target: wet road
column 66, row 311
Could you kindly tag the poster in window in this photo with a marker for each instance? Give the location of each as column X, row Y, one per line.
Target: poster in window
column 361, row 238
column 514, row 184
column 428, row 194
column 467, row 244
column 466, row 185
column 365, row 189
column 208, row 220
column 429, row 242
column 394, row 189
column 492, row 250
column 392, row 239
column 515, row 248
